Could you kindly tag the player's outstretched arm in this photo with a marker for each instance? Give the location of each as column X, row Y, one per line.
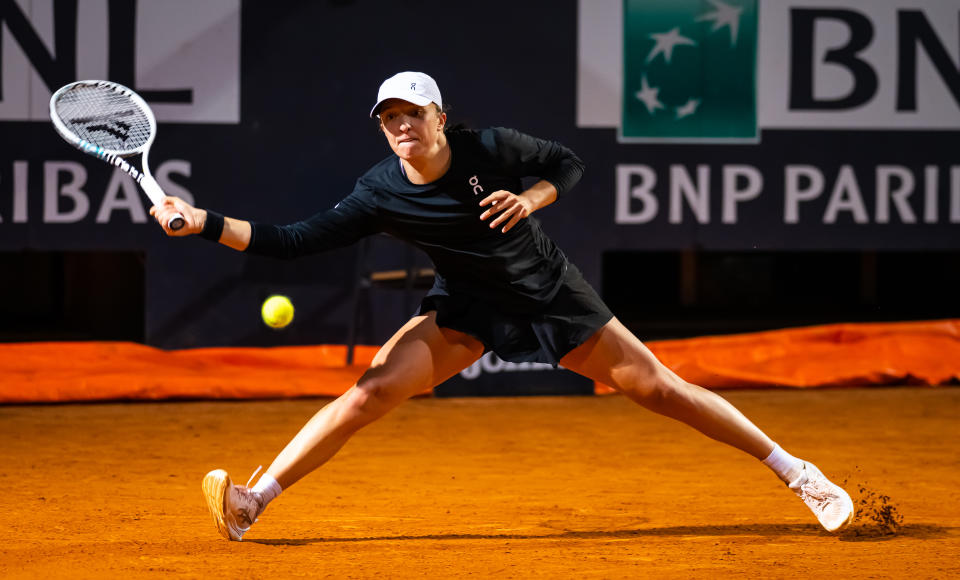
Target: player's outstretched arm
column 235, row 233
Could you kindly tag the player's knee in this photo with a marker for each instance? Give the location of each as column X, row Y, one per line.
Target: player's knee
column 369, row 400
column 654, row 391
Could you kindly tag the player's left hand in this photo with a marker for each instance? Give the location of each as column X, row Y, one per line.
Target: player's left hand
column 511, row 207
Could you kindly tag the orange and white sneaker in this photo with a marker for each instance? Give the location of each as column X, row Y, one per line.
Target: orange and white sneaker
column 234, row 507
column 832, row 506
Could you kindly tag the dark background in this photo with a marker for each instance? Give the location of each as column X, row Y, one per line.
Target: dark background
column 309, row 74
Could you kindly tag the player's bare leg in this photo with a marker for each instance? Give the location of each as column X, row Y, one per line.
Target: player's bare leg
column 418, row 357
column 615, row 357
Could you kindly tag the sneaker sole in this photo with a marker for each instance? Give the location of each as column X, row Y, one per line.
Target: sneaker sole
column 815, row 470
column 846, row 522
column 215, row 486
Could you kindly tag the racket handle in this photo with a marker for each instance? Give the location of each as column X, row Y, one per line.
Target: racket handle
column 156, row 195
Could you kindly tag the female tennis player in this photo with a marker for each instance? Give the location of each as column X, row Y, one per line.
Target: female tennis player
column 501, row 285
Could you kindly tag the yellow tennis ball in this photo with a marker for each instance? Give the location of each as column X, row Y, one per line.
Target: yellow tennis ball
column 277, row 311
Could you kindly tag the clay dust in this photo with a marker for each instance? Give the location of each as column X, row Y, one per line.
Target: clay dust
column 876, row 513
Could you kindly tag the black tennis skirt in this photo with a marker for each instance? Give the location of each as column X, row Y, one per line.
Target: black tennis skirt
column 574, row 315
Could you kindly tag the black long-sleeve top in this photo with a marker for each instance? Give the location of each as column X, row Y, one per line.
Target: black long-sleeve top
column 516, row 271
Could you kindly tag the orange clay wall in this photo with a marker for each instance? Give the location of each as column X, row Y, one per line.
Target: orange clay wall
column 923, row 353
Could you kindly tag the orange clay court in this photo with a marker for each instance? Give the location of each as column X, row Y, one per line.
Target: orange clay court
column 551, row 487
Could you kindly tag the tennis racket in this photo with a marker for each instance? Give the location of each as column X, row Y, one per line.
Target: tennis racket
column 112, row 123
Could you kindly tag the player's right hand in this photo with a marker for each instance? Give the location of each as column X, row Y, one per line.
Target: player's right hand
column 193, row 218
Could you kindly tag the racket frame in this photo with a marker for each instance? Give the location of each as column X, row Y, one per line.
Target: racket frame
column 142, row 176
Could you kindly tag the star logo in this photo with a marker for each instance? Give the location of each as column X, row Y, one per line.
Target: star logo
column 723, row 15
column 648, row 96
column 689, row 71
column 688, row 109
column 666, row 42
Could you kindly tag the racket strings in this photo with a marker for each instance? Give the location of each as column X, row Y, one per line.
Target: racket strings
column 104, row 117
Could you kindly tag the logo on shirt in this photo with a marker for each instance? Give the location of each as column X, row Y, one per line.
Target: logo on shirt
column 475, row 183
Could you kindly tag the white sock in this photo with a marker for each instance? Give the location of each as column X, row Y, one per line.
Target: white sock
column 786, row 466
column 268, row 488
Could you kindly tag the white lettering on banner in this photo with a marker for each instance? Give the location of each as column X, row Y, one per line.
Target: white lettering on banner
column 697, row 195
column 794, row 193
column 682, row 187
column 171, row 187
column 955, row 195
column 66, row 201
column 846, row 197
column 733, row 195
column 642, row 192
column 892, row 197
column 182, row 56
column 129, row 200
column 492, row 364
column 53, row 190
column 931, row 176
column 887, row 192
column 20, row 192
column 859, row 64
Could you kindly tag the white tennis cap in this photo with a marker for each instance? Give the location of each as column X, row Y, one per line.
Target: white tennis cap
column 414, row 87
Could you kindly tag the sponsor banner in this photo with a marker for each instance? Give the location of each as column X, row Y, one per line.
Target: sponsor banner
column 860, row 64
column 67, row 197
column 839, row 116
column 855, row 64
column 881, row 194
column 842, row 120
column 182, row 56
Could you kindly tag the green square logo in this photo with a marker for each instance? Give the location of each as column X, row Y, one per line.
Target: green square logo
column 690, row 70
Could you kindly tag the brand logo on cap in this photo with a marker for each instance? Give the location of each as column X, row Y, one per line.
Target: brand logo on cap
column 414, row 87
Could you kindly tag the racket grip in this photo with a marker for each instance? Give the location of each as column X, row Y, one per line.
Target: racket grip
column 176, row 222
